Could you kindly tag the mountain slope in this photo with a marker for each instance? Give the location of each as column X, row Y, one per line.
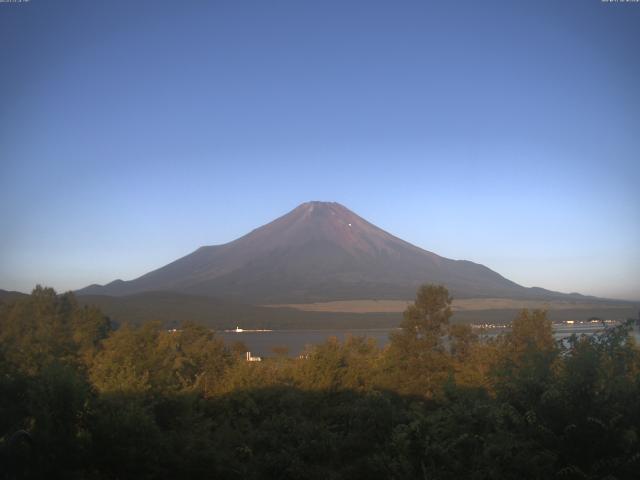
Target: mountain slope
column 7, row 296
column 172, row 309
column 317, row 252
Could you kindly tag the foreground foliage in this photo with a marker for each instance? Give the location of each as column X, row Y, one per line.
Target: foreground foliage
column 81, row 400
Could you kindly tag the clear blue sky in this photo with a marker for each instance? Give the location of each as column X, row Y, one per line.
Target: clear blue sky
column 507, row 133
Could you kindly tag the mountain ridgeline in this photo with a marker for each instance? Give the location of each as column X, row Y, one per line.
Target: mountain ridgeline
column 319, row 251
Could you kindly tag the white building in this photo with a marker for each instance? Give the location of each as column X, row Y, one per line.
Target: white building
column 253, row 359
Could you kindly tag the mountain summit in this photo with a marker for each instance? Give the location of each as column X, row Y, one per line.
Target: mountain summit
column 319, row 251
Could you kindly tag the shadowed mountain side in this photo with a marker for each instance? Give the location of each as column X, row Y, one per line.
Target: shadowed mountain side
column 174, row 308
column 398, row 306
column 7, row 295
column 317, row 252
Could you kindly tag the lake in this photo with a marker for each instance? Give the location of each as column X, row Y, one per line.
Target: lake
column 262, row 343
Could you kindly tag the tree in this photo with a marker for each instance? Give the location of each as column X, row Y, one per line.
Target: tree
column 418, row 361
column 526, row 357
column 428, row 317
column 41, row 329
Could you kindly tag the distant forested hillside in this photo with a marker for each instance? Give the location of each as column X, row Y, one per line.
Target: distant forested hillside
column 171, row 309
column 6, row 295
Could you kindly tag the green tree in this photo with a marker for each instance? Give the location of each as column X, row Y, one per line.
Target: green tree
column 335, row 365
column 46, row 328
column 199, row 358
column 526, row 357
column 57, row 405
column 427, row 319
column 417, row 358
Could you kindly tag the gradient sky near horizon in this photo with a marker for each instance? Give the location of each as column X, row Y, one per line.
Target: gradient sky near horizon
column 506, row 133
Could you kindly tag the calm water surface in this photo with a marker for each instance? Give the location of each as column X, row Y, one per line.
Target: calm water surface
column 262, row 343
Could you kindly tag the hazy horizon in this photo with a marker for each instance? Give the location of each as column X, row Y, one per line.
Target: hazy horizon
column 505, row 134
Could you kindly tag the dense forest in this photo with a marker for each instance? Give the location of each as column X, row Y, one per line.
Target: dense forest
column 80, row 399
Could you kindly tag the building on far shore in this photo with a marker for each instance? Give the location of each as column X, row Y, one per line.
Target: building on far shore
column 253, row 359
